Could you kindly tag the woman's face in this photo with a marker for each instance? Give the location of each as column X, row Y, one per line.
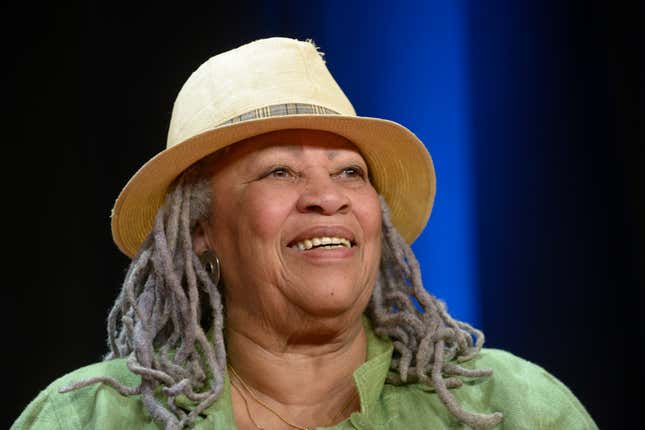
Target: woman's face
column 296, row 225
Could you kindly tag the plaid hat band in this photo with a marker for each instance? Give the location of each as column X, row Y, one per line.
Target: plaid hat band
column 281, row 110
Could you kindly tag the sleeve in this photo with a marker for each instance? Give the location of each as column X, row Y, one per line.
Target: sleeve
column 94, row 406
column 560, row 408
column 40, row 414
column 532, row 398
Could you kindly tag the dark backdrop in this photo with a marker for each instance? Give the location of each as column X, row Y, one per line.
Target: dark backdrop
column 557, row 121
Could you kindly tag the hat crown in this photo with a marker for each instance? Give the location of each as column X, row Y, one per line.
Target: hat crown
column 259, row 74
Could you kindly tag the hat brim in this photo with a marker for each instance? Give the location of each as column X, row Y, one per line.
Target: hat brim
column 400, row 166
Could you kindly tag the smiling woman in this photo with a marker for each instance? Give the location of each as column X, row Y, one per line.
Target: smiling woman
column 272, row 284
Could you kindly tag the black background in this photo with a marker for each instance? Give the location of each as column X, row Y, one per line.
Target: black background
column 88, row 94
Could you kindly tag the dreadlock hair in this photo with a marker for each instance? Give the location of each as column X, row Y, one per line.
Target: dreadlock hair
column 427, row 343
column 168, row 302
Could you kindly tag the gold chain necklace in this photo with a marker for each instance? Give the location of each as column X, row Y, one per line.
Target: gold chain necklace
column 269, row 408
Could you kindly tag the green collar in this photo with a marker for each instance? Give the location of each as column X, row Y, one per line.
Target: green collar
column 370, row 376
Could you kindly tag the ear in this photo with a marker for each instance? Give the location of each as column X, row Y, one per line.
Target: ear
column 200, row 237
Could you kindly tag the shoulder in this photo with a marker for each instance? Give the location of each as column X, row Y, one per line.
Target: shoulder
column 513, row 374
column 79, row 409
column 527, row 395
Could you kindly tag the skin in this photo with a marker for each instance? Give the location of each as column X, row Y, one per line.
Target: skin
column 293, row 318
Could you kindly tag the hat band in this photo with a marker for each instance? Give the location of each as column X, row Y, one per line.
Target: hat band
column 281, row 110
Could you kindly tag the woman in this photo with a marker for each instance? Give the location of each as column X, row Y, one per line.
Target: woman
column 272, row 285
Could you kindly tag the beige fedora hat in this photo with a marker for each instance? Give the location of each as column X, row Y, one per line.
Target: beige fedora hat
column 263, row 86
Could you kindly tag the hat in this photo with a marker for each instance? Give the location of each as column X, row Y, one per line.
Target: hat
column 263, row 86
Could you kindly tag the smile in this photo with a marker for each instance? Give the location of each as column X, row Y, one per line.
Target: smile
column 322, row 242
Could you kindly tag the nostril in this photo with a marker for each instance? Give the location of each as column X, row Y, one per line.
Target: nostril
column 315, row 208
column 327, row 208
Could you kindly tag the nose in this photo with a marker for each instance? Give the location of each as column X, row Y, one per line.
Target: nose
column 324, row 196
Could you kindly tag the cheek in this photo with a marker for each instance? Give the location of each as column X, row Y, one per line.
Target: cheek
column 247, row 230
column 265, row 212
column 368, row 212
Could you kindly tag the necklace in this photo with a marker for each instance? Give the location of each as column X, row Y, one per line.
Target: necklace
column 269, row 408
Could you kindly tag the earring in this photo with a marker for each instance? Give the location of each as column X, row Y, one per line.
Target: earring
column 211, row 265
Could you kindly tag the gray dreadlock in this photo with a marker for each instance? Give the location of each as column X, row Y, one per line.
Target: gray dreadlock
column 159, row 319
column 427, row 342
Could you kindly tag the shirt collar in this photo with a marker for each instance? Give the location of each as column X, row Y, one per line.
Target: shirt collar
column 370, row 376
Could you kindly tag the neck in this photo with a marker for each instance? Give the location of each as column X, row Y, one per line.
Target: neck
column 307, row 378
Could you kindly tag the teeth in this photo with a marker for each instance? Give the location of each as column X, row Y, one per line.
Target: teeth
column 328, row 242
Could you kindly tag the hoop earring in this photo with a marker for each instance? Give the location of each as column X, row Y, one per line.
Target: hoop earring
column 211, row 265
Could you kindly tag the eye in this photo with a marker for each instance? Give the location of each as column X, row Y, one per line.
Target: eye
column 280, row 172
column 353, row 172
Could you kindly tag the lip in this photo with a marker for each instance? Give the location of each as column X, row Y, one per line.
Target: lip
column 320, row 231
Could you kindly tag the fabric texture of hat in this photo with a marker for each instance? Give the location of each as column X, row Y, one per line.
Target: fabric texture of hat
column 264, row 86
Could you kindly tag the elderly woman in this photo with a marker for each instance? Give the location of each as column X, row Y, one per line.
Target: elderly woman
column 272, row 285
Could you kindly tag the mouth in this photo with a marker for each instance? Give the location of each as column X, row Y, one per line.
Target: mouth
column 322, row 242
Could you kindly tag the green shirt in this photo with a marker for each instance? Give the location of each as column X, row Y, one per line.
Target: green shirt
column 527, row 395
